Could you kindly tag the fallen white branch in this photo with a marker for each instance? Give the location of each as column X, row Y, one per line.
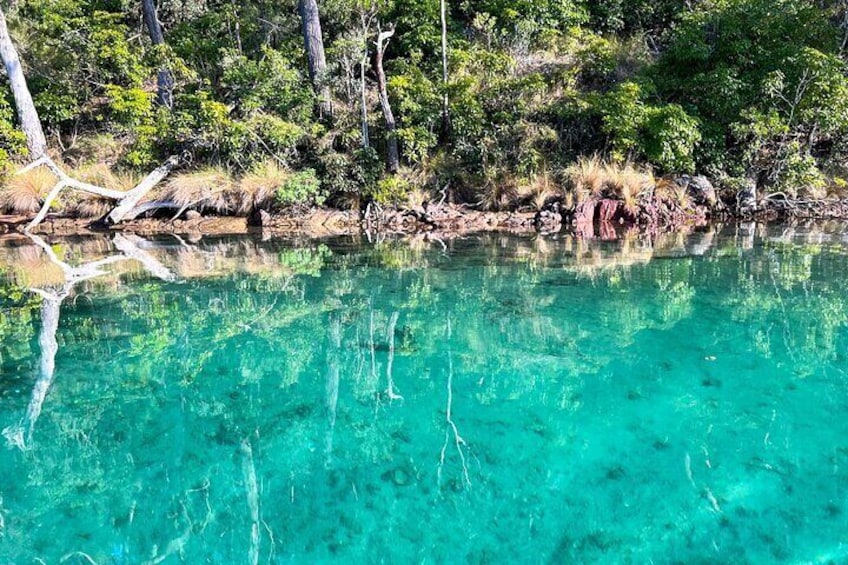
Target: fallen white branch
column 126, row 201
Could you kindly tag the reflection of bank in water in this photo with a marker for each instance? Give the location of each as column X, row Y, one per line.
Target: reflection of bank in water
column 20, row 435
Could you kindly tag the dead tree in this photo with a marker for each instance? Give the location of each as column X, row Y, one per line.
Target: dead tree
column 126, row 201
column 37, row 145
column 392, row 152
column 27, row 115
column 164, row 79
column 313, row 42
column 366, row 20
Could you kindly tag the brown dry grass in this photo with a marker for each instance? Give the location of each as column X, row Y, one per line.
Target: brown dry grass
column 586, row 177
column 539, row 190
column 210, row 188
column 628, row 183
column 590, row 177
column 23, row 194
column 256, row 189
column 667, row 189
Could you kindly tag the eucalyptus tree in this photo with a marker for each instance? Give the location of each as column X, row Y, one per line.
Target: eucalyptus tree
column 313, row 41
column 27, row 114
column 164, row 79
column 393, row 154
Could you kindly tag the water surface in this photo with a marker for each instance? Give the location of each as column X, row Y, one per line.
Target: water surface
column 484, row 400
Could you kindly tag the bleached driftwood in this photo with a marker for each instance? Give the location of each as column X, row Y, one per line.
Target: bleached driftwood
column 126, row 201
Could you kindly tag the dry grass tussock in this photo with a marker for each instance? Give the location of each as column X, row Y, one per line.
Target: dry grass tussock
column 24, row 194
column 210, row 188
column 257, row 188
column 590, row 177
column 499, row 192
column 669, row 190
column 539, row 191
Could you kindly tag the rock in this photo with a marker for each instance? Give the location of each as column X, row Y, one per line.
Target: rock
column 259, row 218
column 702, row 191
column 698, row 187
column 609, row 209
column 192, row 215
column 548, row 220
column 584, row 213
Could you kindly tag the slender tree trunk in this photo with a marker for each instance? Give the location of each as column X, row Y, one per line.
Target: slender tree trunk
column 445, row 101
column 164, row 80
column 313, row 41
column 27, row 115
column 393, row 155
column 366, row 138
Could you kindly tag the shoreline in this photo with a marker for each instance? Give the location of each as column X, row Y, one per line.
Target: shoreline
column 603, row 220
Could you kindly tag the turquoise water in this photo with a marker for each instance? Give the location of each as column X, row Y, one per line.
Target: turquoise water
column 483, row 400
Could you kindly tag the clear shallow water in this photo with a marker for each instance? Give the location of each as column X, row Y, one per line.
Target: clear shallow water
column 486, row 400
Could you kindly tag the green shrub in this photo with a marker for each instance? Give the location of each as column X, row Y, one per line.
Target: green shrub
column 669, row 137
column 301, row 188
column 390, row 191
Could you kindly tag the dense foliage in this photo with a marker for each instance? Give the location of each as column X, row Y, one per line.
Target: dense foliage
column 742, row 90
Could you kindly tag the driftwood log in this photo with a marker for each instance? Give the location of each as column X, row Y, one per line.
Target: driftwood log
column 125, row 201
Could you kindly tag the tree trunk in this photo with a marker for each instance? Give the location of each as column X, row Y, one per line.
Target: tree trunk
column 27, row 115
column 313, row 41
column 393, row 155
column 366, row 138
column 164, row 80
column 445, row 101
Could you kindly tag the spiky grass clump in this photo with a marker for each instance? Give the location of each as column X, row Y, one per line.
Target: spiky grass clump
column 539, row 190
column 257, row 188
column 101, row 175
column 587, row 177
column 210, row 188
column 416, row 197
column 628, row 183
column 24, row 194
column 670, row 191
column 590, row 177
column 499, row 191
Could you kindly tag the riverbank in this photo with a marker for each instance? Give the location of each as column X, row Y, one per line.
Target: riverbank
column 603, row 218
